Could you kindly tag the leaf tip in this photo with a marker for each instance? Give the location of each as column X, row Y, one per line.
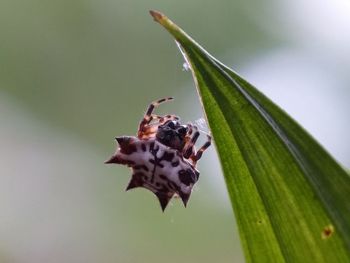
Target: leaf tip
column 157, row 16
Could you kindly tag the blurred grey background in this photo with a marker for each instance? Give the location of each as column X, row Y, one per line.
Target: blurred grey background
column 74, row 74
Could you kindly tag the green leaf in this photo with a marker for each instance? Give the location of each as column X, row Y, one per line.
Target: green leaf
column 290, row 197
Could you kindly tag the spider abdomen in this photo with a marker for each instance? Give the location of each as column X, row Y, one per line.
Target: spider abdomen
column 157, row 168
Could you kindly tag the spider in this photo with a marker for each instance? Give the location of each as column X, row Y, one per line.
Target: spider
column 163, row 156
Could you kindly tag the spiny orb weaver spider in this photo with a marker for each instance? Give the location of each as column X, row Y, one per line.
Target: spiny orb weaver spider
column 162, row 157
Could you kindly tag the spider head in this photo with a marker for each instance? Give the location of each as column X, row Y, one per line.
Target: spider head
column 172, row 134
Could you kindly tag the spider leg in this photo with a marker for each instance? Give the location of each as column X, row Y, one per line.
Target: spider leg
column 190, row 129
column 149, row 131
column 198, row 155
column 163, row 119
column 147, row 118
column 188, row 149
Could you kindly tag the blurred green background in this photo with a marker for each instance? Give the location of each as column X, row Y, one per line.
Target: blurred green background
column 75, row 74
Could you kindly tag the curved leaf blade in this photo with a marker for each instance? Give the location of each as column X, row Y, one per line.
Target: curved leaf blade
column 291, row 199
